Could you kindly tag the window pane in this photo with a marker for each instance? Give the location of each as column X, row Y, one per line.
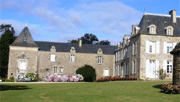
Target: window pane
column 52, row 57
column 55, row 69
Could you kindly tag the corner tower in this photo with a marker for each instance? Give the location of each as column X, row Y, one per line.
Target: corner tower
column 22, row 55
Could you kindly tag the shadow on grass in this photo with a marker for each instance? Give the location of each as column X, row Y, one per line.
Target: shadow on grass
column 13, row 87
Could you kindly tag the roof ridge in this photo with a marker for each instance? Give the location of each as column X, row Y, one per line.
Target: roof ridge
column 159, row 15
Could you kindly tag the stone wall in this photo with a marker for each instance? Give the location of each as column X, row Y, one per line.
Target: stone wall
column 69, row 68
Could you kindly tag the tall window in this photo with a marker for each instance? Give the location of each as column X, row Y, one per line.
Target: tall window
column 169, row 31
column 22, row 66
column 152, row 47
column 60, row 70
column 127, row 69
column 152, row 30
column 72, row 58
column 169, row 47
column 106, row 72
column 55, row 69
column 99, row 59
column 52, row 57
column 169, row 66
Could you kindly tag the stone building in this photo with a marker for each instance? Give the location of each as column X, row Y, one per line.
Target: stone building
column 149, row 46
column 43, row 58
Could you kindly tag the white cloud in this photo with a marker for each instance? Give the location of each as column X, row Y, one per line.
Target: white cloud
column 100, row 18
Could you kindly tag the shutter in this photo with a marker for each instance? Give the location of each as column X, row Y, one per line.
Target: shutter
column 157, row 47
column 157, row 68
column 147, row 46
column 165, row 47
column 136, row 48
column 164, row 66
column 132, row 67
column 174, row 44
column 147, row 68
column 133, row 49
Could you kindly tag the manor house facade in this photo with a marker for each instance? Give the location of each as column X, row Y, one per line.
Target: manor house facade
column 141, row 54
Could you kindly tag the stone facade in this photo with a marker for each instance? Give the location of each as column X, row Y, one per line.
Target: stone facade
column 27, row 56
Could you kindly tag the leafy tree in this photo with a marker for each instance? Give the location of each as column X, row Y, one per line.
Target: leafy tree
column 88, row 72
column 89, row 38
column 104, row 42
column 74, row 41
column 6, row 39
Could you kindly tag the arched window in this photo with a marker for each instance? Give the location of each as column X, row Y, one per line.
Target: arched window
column 169, row 31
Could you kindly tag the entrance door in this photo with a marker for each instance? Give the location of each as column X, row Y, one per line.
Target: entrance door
column 152, row 68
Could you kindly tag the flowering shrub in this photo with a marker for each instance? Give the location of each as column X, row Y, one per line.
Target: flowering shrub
column 116, row 78
column 169, row 88
column 27, row 77
column 63, row 78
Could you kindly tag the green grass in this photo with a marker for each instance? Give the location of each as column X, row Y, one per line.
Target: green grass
column 142, row 91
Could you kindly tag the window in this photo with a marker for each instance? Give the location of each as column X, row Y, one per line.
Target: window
column 152, row 47
column 133, row 49
column 60, row 70
column 127, row 69
column 52, row 57
column 116, row 56
column 132, row 67
column 22, row 66
column 11, row 73
column 72, row 58
column 152, row 30
column 55, row 69
column 169, row 31
column 99, row 59
column 169, row 66
column 106, row 72
column 169, row 47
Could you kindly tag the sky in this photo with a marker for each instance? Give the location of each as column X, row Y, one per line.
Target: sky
column 63, row 20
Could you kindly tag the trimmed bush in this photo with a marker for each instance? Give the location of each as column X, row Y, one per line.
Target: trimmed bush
column 116, row 78
column 88, row 72
column 32, row 76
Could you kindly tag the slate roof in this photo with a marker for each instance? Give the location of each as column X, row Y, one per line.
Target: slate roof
column 65, row 47
column 24, row 39
column 159, row 21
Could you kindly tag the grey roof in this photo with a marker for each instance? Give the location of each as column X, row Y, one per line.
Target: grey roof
column 159, row 21
column 24, row 39
column 65, row 47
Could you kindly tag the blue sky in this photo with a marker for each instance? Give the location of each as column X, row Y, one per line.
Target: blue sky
column 63, row 20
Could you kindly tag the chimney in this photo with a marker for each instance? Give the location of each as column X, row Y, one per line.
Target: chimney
column 173, row 15
column 118, row 45
column 80, row 43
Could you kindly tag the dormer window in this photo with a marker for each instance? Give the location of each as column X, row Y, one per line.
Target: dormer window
column 152, row 29
column 169, row 30
column 53, row 57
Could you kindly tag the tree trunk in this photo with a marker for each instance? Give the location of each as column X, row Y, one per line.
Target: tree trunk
column 176, row 69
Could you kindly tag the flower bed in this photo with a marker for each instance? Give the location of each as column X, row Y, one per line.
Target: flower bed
column 115, row 79
column 169, row 88
column 63, row 78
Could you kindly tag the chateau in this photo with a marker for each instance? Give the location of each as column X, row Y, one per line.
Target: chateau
column 140, row 55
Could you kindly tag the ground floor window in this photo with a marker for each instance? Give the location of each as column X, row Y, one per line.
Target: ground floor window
column 55, row 69
column 60, row 70
column 169, row 66
column 106, row 72
column 127, row 69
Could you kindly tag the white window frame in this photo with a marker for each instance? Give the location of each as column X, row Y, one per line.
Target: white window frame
column 55, row 70
column 135, row 67
column 23, row 66
column 169, row 31
column 152, row 29
column 105, row 70
column 72, row 58
column 152, row 47
column 169, row 67
column 53, row 57
column 61, row 70
column 169, row 47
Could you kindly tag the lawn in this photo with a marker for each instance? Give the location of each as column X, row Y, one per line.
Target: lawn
column 140, row 91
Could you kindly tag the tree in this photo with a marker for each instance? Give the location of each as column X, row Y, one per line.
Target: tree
column 6, row 39
column 74, row 41
column 104, row 42
column 89, row 38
